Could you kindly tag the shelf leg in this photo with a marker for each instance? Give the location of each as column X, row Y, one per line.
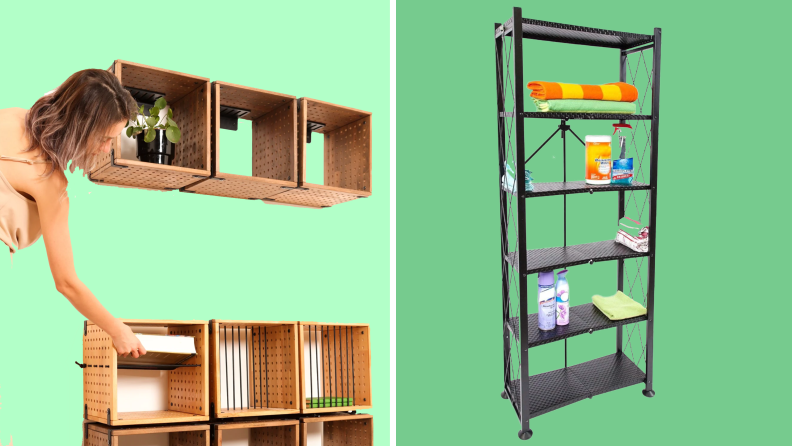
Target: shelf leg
column 620, row 283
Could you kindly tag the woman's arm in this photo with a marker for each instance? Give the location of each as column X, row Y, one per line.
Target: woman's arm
column 53, row 206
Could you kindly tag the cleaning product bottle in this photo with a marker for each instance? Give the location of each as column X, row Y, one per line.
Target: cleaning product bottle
column 622, row 167
column 547, row 301
column 598, row 159
column 562, row 299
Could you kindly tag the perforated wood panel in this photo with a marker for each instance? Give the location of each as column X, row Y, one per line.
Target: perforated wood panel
column 275, row 143
column 99, row 378
column 313, row 196
column 191, row 113
column 99, row 439
column 259, row 102
column 199, row 438
column 349, row 433
column 239, row 186
column 333, row 116
column 188, row 387
column 347, row 156
column 146, row 175
column 173, row 84
column 281, row 367
column 275, row 436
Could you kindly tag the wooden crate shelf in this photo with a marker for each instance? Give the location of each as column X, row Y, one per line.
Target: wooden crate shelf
column 257, row 433
column 171, row 435
column 189, row 97
column 347, row 156
column 335, row 367
column 182, row 395
column 337, row 430
column 274, row 144
column 254, row 369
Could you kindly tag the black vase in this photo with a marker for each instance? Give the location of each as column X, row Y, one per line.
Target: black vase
column 159, row 151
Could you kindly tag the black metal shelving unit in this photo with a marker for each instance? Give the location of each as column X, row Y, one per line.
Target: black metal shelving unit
column 532, row 396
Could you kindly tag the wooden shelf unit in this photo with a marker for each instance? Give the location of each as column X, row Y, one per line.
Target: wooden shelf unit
column 262, row 367
column 188, row 388
column 335, row 367
column 262, row 433
column 178, row 435
column 347, row 156
column 274, row 144
column 189, row 97
column 346, row 430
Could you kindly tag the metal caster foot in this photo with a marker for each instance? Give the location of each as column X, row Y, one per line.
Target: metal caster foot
column 504, row 396
column 524, row 435
column 648, row 393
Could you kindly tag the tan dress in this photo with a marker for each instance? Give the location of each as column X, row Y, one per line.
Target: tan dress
column 19, row 218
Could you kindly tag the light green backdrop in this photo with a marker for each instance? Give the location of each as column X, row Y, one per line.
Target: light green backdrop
column 720, row 295
column 154, row 255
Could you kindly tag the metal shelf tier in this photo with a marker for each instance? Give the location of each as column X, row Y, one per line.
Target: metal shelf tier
column 553, row 390
column 578, row 35
column 582, row 319
column 570, row 116
column 548, row 259
column 579, row 187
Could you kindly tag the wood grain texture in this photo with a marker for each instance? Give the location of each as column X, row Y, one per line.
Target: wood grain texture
column 188, row 387
column 99, row 379
column 275, row 144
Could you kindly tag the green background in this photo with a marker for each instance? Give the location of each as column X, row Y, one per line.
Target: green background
column 154, row 255
column 719, row 366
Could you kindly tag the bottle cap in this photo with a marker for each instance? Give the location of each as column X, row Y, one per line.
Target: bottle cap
column 546, row 278
column 561, row 273
column 598, row 138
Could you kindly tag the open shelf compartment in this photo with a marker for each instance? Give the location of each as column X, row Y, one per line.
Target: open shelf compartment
column 335, row 365
column 347, row 155
column 256, row 433
column 577, row 187
column 558, row 388
column 549, row 259
column 337, row 430
column 254, row 369
column 579, row 35
column 274, row 143
column 189, row 97
column 172, row 435
column 135, row 397
column 583, row 319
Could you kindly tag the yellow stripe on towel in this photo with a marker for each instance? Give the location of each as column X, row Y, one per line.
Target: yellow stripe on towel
column 572, row 91
column 611, row 93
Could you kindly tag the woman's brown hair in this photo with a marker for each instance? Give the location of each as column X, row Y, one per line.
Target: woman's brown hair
column 70, row 122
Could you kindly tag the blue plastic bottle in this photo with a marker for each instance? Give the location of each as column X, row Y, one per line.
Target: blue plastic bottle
column 547, row 301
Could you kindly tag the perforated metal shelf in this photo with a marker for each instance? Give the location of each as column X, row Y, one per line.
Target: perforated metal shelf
column 578, row 35
column 601, row 116
column 548, row 259
column 558, row 388
column 582, row 319
column 578, row 187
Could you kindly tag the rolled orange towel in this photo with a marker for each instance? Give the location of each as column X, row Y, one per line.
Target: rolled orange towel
column 617, row 91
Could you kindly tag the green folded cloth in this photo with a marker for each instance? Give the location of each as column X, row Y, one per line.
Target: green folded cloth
column 618, row 307
column 328, row 401
column 584, row 106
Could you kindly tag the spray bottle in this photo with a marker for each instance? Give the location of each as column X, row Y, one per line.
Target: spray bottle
column 547, row 301
column 622, row 167
column 562, row 299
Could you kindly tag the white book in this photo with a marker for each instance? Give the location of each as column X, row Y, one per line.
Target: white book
column 162, row 349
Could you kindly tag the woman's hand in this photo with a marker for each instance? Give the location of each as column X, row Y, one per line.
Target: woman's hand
column 125, row 342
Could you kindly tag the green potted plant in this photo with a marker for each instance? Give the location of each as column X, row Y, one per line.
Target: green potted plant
column 160, row 134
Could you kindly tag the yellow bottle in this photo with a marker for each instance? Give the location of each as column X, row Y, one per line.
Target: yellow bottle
column 598, row 159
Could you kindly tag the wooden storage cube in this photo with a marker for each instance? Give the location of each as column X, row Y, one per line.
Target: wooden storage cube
column 274, row 146
column 335, row 365
column 347, row 156
column 256, row 433
column 337, row 430
column 189, row 97
column 254, row 368
column 171, row 435
column 118, row 396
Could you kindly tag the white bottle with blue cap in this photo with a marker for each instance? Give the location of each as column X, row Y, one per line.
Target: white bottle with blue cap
column 547, row 301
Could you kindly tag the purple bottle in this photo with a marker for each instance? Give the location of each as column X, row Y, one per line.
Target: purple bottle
column 547, row 301
column 562, row 299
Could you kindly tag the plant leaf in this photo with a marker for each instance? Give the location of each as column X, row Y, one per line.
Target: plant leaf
column 160, row 103
column 154, row 111
column 172, row 122
column 173, row 134
column 151, row 121
column 129, row 131
column 138, row 130
column 141, row 110
column 150, row 135
column 170, row 112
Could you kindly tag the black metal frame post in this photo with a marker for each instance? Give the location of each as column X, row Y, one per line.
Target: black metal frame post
column 519, row 181
column 620, row 262
column 648, row 391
